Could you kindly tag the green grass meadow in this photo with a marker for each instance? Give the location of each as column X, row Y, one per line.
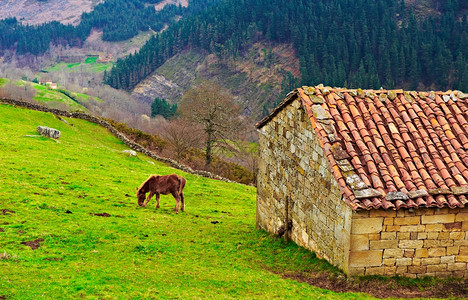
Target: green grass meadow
column 78, row 195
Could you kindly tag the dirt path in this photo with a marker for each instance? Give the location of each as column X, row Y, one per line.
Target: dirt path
column 384, row 288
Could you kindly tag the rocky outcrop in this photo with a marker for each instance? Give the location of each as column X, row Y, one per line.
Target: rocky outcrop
column 156, row 86
column 48, row 132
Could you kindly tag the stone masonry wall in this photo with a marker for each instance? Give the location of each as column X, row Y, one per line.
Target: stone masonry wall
column 426, row 242
column 297, row 195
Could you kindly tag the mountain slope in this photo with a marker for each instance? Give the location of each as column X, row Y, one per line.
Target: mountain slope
column 72, row 200
column 37, row 12
column 252, row 79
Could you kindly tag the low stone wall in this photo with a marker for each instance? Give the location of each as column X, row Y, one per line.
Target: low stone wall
column 115, row 132
column 426, row 242
column 297, row 195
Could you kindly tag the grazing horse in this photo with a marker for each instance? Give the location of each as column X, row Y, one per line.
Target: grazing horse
column 157, row 184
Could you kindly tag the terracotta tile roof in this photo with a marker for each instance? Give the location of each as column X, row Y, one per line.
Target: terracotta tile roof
column 391, row 149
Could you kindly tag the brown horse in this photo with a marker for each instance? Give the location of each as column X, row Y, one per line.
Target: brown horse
column 157, row 184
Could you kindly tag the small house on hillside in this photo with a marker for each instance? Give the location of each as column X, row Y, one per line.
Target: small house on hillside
column 374, row 181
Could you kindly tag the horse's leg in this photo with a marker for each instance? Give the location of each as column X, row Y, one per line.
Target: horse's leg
column 183, row 201
column 148, row 199
column 157, row 200
column 177, row 199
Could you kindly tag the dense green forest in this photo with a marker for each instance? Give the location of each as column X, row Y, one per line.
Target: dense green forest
column 359, row 43
column 163, row 108
column 118, row 19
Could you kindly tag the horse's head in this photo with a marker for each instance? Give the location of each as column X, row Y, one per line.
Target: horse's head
column 141, row 195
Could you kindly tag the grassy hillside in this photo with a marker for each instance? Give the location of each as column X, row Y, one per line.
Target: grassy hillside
column 75, row 199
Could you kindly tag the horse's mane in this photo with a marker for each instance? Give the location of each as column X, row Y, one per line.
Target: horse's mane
column 145, row 183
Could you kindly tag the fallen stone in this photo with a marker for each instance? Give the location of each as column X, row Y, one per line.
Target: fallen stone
column 459, row 190
column 417, row 194
column 48, row 132
column 344, row 165
column 319, row 112
column 367, row 193
column 392, row 196
column 440, row 192
column 354, row 181
column 130, row 152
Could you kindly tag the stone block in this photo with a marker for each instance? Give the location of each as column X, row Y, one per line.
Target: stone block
column 436, row 252
column 460, row 243
column 454, row 250
column 437, row 268
column 447, row 259
column 464, row 250
column 446, row 243
column 458, row 235
column 388, row 221
column 465, row 226
column 431, row 243
column 434, row 227
column 458, row 266
column 432, row 235
column 393, row 253
column 430, row 261
column 407, row 221
column 404, row 261
column 444, row 236
column 438, row 219
column 457, row 226
column 461, row 258
column 417, row 269
column 422, row 235
column 421, row 252
column 356, row 271
column 375, row 271
column 403, row 235
column 371, row 258
column 392, row 228
column 359, row 242
column 461, row 217
column 413, row 228
column 389, row 261
column 388, row 235
column 369, row 225
column 402, row 270
column 409, row 253
column 374, row 236
column 383, row 244
column 405, row 244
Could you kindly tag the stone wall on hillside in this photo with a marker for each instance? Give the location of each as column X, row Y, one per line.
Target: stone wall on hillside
column 115, row 132
column 297, row 195
column 425, row 242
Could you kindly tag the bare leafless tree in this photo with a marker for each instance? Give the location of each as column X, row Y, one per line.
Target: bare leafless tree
column 212, row 108
column 181, row 137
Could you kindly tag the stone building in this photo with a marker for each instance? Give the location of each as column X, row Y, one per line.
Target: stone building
column 374, row 181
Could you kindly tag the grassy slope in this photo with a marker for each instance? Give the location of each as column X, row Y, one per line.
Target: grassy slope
column 136, row 252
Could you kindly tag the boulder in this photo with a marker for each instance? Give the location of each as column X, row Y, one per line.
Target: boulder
column 130, row 152
column 48, row 132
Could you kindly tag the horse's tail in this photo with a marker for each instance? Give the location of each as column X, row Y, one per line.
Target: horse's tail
column 181, row 183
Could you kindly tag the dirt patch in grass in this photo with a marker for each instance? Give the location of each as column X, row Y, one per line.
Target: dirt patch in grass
column 34, row 244
column 389, row 287
column 7, row 211
column 102, row 215
column 53, row 259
